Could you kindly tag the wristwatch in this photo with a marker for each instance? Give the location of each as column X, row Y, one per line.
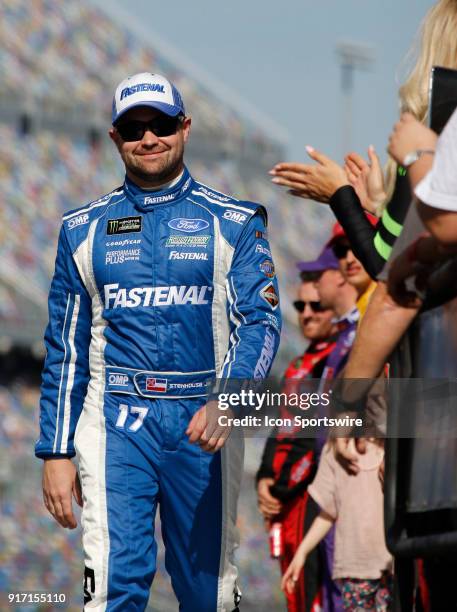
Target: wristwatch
column 413, row 156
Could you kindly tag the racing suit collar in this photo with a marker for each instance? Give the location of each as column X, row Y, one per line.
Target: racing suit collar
column 145, row 200
column 349, row 318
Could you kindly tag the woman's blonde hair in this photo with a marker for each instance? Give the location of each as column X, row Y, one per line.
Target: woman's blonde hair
column 436, row 45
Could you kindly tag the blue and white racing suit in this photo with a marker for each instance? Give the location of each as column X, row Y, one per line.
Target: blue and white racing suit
column 155, row 292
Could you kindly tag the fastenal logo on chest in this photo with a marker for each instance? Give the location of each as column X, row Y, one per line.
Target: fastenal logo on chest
column 155, row 296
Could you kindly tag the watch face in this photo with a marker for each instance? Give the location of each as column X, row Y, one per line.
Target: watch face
column 410, row 158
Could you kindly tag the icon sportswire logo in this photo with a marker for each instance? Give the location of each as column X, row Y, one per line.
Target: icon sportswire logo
column 155, row 296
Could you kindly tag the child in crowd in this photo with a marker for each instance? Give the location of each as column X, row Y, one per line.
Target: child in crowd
column 362, row 563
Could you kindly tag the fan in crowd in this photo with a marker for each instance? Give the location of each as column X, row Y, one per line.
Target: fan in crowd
column 396, row 252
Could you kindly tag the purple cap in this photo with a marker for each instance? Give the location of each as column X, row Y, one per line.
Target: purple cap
column 325, row 261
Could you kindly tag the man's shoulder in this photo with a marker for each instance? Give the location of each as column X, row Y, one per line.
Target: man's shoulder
column 226, row 207
column 76, row 222
column 92, row 210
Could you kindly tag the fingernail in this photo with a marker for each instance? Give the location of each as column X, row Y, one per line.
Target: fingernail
column 272, row 171
column 275, row 180
column 309, row 148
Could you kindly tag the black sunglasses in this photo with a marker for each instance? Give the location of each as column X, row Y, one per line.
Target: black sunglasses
column 300, row 306
column 341, row 250
column 162, row 125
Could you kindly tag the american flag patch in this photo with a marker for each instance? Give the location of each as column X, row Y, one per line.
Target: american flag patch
column 159, row 385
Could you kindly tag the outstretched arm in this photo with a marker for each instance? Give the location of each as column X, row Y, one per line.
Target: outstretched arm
column 379, row 332
column 316, row 533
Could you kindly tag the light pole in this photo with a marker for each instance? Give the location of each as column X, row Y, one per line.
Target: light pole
column 351, row 55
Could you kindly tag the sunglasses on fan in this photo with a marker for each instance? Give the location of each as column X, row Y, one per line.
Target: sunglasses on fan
column 162, row 125
column 341, row 250
column 300, row 306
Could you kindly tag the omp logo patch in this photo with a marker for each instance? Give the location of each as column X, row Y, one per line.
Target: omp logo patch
column 155, row 296
column 77, row 221
column 124, row 225
column 268, row 293
column 118, row 380
column 233, row 215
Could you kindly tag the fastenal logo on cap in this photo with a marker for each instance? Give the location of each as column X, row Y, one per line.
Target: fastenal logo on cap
column 147, row 89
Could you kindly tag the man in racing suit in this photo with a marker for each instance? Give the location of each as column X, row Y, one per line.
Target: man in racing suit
column 159, row 286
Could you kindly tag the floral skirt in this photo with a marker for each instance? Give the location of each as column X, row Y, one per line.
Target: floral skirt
column 359, row 594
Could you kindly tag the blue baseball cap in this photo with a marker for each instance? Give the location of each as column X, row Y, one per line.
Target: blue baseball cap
column 147, row 89
column 326, row 261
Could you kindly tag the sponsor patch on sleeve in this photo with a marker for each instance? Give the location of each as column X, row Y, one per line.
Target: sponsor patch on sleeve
column 268, row 268
column 268, row 293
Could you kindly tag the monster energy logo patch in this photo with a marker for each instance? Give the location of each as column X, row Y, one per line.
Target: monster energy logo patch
column 187, row 241
column 125, row 225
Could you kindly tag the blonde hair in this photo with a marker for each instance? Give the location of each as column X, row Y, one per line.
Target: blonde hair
column 436, row 45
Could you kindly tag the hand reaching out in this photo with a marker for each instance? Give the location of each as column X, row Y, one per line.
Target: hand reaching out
column 366, row 178
column 311, row 181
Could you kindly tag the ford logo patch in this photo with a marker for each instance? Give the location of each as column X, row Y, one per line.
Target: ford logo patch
column 188, row 225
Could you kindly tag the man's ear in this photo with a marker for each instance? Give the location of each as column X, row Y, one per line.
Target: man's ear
column 186, row 128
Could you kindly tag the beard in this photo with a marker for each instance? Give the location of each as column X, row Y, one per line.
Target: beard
column 161, row 170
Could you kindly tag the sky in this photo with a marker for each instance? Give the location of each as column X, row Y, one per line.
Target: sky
column 281, row 59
